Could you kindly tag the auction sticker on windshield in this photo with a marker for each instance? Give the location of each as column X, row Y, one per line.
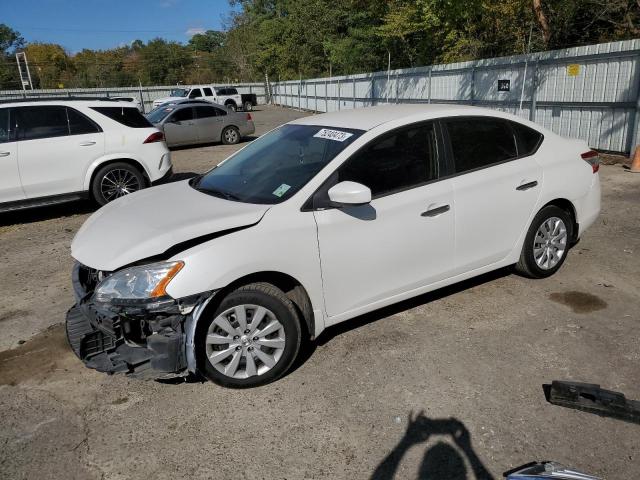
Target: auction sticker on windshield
column 336, row 135
column 281, row 190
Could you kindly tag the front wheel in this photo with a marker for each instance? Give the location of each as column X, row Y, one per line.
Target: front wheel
column 546, row 244
column 251, row 339
column 230, row 136
column 116, row 180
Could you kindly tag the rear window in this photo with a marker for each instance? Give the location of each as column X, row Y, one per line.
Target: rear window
column 128, row 116
column 528, row 139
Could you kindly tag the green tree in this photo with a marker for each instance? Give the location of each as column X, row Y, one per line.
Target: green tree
column 209, row 41
column 10, row 42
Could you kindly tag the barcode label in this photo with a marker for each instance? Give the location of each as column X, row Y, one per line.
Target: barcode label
column 335, row 135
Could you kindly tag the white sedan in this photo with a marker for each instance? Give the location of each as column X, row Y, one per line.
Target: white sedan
column 321, row 220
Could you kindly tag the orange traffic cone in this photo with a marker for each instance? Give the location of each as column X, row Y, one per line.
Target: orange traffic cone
column 635, row 162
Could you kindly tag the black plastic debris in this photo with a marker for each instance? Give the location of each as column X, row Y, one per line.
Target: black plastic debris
column 591, row 398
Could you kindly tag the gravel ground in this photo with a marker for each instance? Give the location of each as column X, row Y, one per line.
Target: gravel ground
column 448, row 385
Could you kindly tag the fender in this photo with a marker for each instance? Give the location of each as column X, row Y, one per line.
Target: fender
column 86, row 184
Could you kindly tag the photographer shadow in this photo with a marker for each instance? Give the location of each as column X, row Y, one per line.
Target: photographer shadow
column 442, row 461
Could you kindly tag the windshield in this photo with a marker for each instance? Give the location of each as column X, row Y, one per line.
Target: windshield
column 179, row 92
column 275, row 166
column 158, row 114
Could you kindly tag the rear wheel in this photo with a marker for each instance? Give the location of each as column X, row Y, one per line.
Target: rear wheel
column 116, row 180
column 248, row 106
column 230, row 136
column 251, row 339
column 546, row 244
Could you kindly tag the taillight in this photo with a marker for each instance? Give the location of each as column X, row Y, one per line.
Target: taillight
column 155, row 137
column 592, row 158
column 249, row 117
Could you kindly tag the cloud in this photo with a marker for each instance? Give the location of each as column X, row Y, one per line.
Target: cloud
column 194, row 30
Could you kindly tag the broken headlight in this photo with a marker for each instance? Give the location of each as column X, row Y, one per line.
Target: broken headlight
column 138, row 283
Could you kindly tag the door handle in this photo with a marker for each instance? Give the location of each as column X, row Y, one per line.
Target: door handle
column 434, row 212
column 5, row 154
column 87, row 144
column 527, row 186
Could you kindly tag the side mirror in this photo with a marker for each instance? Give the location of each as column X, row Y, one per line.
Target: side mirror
column 350, row 193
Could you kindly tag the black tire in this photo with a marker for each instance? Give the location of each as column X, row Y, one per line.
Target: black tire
column 263, row 295
column 527, row 265
column 230, row 136
column 248, row 106
column 231, row 106
column 98, row 187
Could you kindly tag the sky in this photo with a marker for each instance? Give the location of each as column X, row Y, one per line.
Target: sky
column 95, row 24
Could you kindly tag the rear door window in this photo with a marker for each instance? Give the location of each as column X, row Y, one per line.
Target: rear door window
column 195, row 93
column 207, row 92
column 396, row 161
column 129, row 116
column 45, row 121
column 79, row 124
column 478, row 142
column 182, row 115
column 205, row 112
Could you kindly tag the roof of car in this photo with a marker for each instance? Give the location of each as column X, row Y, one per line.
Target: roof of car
column 87, row 101
column 370, row 117
column 187, row 103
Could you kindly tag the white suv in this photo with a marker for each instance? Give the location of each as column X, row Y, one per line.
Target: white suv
column 57, row 150
column 229, row 97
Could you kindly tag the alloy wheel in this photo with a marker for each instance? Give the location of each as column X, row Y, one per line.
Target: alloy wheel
column 245, row 341
column 550, row 243
column 118, row 183
column 231, row 135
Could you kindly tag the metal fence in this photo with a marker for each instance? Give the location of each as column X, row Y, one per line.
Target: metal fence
column 589, row 92
column 146, row 95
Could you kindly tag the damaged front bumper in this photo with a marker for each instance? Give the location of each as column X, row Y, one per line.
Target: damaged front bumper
column 147, row 340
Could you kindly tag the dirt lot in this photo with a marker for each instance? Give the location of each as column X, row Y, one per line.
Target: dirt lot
column 465, row 364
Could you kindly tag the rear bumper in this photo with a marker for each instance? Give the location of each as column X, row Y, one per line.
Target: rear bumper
column 167, row 175
column 589, row 206
column 248, row 129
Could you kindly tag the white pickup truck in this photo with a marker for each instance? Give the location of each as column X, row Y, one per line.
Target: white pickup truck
column 229, row 97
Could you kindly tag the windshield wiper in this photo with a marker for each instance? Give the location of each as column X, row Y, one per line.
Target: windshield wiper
column 218, row 193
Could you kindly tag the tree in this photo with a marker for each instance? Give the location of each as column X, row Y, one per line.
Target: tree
column 208, row 41
column 47, row 62
column 10, row 42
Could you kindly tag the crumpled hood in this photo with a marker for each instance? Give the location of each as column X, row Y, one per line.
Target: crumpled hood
column 151, row 221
